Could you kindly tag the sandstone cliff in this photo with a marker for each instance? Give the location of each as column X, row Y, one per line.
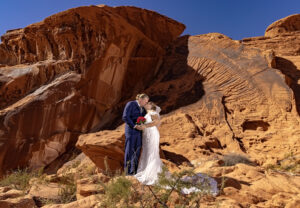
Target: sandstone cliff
column 60, row 77
column 69, row 76
column 222, row 96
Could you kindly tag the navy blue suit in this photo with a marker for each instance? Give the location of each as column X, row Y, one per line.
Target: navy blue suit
column 133, row 137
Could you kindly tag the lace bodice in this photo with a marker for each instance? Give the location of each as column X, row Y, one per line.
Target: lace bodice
column 148, row 116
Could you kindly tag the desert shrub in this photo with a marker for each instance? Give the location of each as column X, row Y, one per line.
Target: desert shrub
column 170, row 183
column 118, row 191
column 167, row 192
column 76, row 164
column 233, row 159
column 19, row 179
column 290, row 163
column 67, row 193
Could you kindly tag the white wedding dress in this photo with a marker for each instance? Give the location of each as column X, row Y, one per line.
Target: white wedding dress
column 150, row 163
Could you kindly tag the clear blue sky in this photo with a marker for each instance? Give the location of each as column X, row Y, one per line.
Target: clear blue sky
column 235, row 18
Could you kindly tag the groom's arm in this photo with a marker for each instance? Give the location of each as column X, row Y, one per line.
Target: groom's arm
column 126, row 115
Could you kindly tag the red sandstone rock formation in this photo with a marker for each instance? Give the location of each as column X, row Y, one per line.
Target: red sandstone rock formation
column 60, row 77
column 240, row 107
column 284, row 25
column 237, row 97
column 72, row 74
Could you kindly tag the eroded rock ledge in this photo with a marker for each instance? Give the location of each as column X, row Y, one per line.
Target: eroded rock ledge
column 60, row 77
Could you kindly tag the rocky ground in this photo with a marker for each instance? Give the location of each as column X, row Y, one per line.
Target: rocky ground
column 230, row 108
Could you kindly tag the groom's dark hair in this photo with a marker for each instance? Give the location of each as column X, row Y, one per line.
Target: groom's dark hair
column 142, row 95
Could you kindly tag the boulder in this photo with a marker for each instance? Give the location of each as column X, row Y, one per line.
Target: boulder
column 104, row 148
column 87, row 202
column 15, row 198
column 91, row 185
column 285, row 25
column 62, row 76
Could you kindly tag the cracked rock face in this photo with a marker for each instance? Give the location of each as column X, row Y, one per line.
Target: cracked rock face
column 60, row 77
column 221, row 96
column 243, row 101
column 233, row 102
column 70, row 75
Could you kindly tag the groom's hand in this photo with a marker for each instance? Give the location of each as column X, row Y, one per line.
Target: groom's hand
column 138, row 127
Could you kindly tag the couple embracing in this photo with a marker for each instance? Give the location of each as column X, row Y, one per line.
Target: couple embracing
column 142, row 140
column 142, row 158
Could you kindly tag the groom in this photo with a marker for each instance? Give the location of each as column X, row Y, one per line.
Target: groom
column 133, row 132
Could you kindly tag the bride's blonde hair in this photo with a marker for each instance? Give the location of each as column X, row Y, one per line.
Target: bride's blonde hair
column 153, row 106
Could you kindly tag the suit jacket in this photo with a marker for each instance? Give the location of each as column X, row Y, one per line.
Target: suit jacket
column 130, row 114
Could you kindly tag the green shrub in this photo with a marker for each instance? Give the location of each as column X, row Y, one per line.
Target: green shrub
column 290, row 163
column 75, row 164
column 118, row 191
column 233, row 159
column 122, row 192
column 19, row 179
column 67, row 193
column 173, row 183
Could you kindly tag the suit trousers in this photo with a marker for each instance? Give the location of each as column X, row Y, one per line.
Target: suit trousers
column 133, row 145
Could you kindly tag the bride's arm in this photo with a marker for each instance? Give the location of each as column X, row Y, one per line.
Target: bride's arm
column 155, row 121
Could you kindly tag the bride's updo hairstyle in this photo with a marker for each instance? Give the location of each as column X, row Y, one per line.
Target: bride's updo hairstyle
column 142, row 96
column 153, row 106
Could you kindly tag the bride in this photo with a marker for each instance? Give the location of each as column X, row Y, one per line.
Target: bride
column 150, row 164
